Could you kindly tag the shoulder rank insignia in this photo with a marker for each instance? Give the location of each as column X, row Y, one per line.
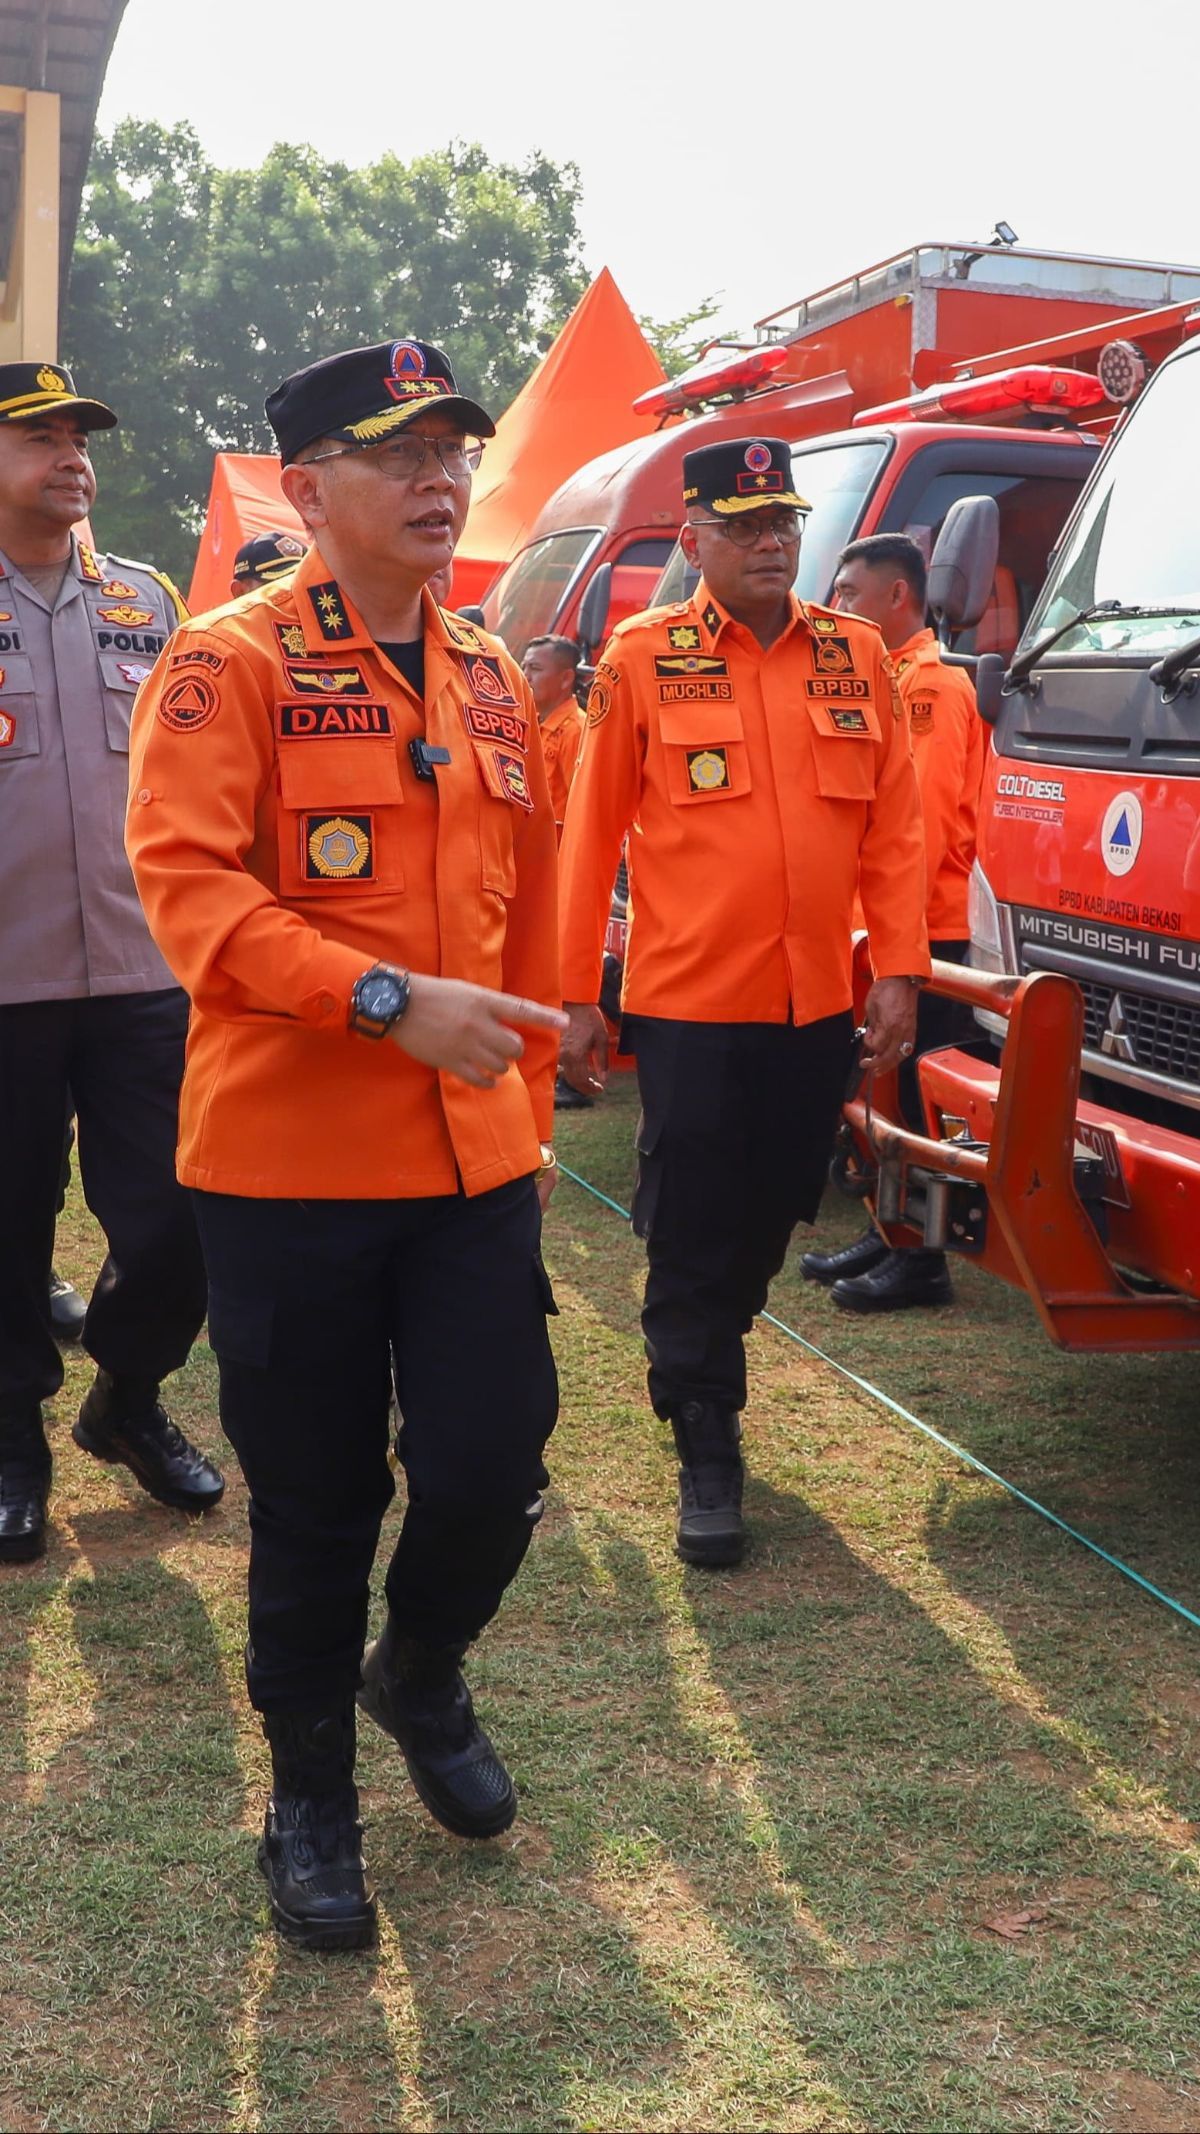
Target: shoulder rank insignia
column 89, row 566
column 684, row 637
column 329, row 610
column 711, row 619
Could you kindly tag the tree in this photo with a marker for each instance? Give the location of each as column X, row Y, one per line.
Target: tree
column 678, row 342
column 194, row 290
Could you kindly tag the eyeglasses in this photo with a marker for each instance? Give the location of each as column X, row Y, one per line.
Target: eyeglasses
column 747, row 529
column 401, row 458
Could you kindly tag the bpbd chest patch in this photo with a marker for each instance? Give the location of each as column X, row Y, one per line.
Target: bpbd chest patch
column 833, row 655
column 485, row 678
column 488, row 722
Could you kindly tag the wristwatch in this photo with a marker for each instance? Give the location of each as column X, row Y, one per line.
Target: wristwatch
column 378, row 999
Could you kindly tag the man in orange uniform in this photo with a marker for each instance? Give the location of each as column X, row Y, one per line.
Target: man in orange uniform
column 551, row 666
column 883, row 578
column 756, row 748
column 341, row 830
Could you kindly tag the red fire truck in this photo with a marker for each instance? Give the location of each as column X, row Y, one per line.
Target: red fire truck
column 834, row 372
column 1062, row 1149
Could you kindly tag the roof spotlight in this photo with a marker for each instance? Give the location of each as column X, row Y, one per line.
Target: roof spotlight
column 1003, row 233
column 1122, row 370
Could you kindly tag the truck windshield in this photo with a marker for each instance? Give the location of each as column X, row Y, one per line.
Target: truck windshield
column 525, row 601
column 1136, row 540
column 836, row 481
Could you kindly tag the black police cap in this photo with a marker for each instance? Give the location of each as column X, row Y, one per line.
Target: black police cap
column 367, row 394
column 741, row 475
column 28, row 390
column 267, row 556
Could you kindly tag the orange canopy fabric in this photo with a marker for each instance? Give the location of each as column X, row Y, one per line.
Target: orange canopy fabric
column 576, row 405
column 245, row 499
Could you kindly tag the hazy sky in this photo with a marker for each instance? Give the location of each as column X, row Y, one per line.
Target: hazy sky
column 750, row 152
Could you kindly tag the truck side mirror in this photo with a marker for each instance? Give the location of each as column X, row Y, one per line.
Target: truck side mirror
column 592, row 627
column 989, row 686
column 472, row 614
column 962, row 569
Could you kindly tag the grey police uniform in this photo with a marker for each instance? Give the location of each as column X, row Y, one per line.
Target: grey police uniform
column 89, row 1011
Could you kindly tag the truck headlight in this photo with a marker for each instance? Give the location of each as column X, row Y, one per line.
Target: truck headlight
column 992, row 946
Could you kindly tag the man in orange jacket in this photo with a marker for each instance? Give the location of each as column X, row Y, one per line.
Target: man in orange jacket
column 882, row 577
column 341, row 831
column 757, row 750
column 551, row 665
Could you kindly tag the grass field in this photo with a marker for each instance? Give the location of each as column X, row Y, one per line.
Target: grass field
column 770, row 1819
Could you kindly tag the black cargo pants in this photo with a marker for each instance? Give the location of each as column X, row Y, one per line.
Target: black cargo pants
column 737, row 1128
column 119, row 1058
column 313, row 1305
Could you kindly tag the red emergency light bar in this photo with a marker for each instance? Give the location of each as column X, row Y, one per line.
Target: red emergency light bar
column 1036, row 387
column 708, row 381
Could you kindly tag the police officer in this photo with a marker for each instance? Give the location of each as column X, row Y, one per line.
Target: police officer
column 759, row 745
column 262, row 560
column 340, row 825
column 87, row 1004
column 882, row 577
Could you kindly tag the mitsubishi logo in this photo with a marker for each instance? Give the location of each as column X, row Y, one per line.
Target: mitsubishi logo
column 1116, row 1041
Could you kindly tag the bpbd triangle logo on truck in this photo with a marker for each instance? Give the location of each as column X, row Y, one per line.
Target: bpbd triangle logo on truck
column 1121, row 833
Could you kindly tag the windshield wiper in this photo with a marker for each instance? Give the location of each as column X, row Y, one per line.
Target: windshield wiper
column 1109, row 611
column 1171, row 668
column 1022, row 667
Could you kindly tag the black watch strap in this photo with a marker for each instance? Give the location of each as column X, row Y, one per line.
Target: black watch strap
column 378, row 1000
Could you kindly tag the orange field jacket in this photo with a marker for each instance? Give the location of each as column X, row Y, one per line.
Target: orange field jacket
column 759, row 788
column 282, row 842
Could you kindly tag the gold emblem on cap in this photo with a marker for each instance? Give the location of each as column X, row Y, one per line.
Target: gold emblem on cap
column 50, row 381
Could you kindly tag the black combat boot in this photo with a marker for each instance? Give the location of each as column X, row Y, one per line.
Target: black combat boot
column 900, row 1280
column 68, row 1309
column 416, row 1693
column 24, row 1482
column 311, row 1850
column 866, row 1252
column 710, row 1529
column 123, row 1420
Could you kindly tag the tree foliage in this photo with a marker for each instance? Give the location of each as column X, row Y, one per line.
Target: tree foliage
column 194, row 290
column 678, row 343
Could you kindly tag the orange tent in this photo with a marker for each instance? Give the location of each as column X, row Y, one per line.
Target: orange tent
column 576, row 405
column 245, row 499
